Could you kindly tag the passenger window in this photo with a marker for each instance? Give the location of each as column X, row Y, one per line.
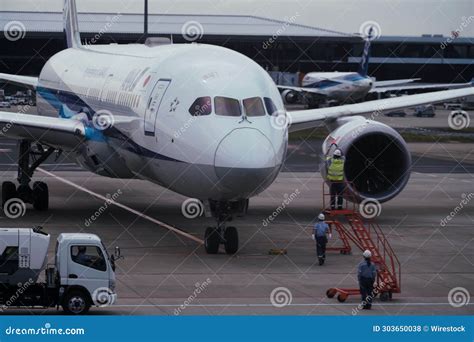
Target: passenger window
column 271, row 108
column 89, row 256
column 254, row 107
column 202, row 106
column 226, row 106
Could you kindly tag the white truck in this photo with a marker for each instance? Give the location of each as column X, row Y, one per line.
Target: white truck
column 82, row 275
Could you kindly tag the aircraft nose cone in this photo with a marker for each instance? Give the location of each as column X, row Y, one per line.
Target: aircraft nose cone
column 245, row 162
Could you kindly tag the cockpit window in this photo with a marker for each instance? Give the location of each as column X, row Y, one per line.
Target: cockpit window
column 202, row 106
column 226, row 106
column 270, row 105
column 254, row 106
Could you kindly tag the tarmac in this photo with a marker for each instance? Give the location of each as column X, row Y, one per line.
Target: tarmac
column 163, row 271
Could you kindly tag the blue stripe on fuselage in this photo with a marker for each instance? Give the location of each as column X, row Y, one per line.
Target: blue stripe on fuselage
column 68, row 104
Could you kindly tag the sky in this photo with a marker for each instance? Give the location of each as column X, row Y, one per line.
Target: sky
column 394, row 17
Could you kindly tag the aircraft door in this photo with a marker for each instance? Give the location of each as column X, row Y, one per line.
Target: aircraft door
column 153, row 105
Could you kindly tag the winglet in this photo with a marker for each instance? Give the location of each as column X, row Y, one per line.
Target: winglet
column 71, row 27
column 364, row 62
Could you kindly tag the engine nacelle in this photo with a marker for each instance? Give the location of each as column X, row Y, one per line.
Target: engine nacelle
column 289, row 96
column 377, row 158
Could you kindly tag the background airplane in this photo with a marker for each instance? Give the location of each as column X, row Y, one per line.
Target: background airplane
column 201, row 120
column 349, row 87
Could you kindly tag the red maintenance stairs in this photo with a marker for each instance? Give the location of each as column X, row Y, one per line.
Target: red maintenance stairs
column 364, row 233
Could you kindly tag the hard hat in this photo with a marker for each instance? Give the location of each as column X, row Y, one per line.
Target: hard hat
column 337, row 153
column 367, row 254
column 321, row 217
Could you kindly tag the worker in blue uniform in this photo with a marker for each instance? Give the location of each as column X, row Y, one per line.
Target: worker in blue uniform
column 320, row 235
column 366, row 274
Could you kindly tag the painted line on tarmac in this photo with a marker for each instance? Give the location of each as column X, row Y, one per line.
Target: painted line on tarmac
column 120, row 205
column 271, row 305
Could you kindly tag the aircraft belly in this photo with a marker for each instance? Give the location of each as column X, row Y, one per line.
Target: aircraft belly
column 100, row 158
column 191, row 180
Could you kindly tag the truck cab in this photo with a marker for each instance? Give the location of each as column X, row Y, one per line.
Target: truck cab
column 82, row 275
column 85, row 272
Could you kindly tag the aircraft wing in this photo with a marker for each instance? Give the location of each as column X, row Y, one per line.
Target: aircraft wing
column 56, row 132
column 303, row 119
column 301, row 90
column 21, row 80
column 389, row 83
column 421, row 87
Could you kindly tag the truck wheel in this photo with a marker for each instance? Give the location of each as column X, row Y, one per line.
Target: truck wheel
column 40, row 196
column 8, row 192
column 76, row 303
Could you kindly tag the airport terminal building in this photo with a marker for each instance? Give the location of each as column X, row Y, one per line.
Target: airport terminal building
column 275, row 45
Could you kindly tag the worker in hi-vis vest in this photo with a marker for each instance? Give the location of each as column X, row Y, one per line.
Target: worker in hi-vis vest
column 335, row 175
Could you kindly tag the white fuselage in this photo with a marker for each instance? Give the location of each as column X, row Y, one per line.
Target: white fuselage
column 149, row 94
column 340, row 86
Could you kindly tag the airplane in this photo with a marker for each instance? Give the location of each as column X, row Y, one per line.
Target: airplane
column 201, row 120
column 346, row 87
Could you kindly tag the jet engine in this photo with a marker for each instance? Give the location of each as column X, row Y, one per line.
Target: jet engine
column 377, row 158
column 289, row 96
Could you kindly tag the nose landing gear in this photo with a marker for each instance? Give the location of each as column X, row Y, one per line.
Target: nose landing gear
column 221, row 233
column 228, row 236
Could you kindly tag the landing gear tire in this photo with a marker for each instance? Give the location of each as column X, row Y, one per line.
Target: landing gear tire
column 76, row 303
column 40, row 196
column 211, row 240
column 8, row 192
column 231, row 243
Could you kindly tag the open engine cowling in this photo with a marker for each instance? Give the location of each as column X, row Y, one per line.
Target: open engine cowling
column 377, row 158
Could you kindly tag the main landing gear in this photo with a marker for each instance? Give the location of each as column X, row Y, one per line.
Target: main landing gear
column 222, row 234
column 38, row 194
